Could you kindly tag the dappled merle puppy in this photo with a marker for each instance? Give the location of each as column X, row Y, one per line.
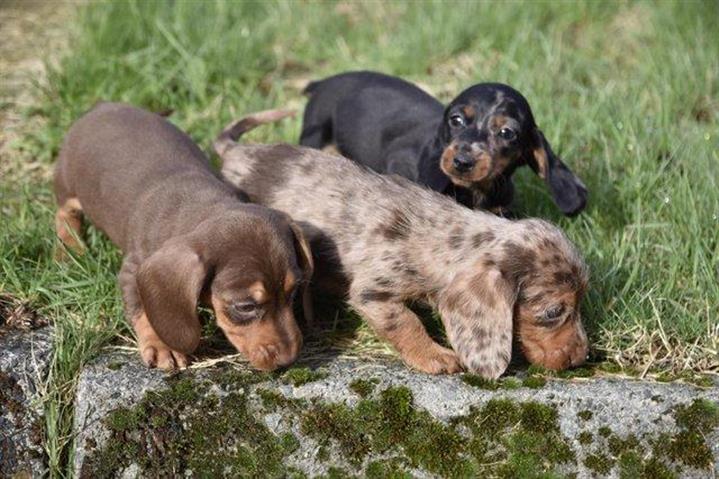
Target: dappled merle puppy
column 468, row 150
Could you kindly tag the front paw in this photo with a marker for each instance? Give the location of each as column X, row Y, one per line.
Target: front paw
column 437, row 360
column 155, row 354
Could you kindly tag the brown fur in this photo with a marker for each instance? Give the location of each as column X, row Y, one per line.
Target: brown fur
column 186, row 235
column 476, row 269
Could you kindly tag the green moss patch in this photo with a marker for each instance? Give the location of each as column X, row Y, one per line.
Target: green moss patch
column 501, row 438
column 534, row 382
column 662, row 456
column 388, row 469
column 380, row 426
column 701, row 414
column 599, row 463
column 188, row 427
column 480, row 382
column 364, row 387
column 691, row 377
column 583, row 372
column 299, row 376
column 585, row 415
column 617, row 446
column 491, row 384
column 688, row 446
column 585, row 438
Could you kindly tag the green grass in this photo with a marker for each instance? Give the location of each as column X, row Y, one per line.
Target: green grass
column 626, row 92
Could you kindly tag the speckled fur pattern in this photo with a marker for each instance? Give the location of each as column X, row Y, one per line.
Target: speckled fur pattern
column 395, row 242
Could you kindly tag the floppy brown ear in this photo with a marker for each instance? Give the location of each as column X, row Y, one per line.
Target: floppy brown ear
column 568, row 191
column 477, row 312
column 170, row 282
column 304, row 254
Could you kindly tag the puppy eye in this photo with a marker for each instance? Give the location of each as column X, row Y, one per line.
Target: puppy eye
column 243, row 312
column 554, row 312
column 456, row 120
column 293, row 294
column 507, row 133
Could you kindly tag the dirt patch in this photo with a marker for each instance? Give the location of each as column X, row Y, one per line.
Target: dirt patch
column 34, row 34
column 17, row 314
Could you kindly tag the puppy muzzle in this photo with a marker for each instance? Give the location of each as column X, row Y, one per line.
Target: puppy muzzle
column 268, row 357
column 464, row 162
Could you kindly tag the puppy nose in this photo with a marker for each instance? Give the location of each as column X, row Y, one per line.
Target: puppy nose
column 269, row 357
column 579, row 356
column 463, row 162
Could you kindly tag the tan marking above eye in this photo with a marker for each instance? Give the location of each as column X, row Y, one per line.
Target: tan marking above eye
column 290, row 283
column 469, row 112
column 498, row 121
column 258, row 292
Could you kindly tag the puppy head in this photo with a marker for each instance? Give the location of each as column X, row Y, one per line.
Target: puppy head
column 528, row 286
column 550, row 279
column 489, row 131
column 250, row 265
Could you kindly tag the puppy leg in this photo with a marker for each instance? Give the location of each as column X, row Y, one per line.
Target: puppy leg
column 68, row 226
column 403, row 329
column 154, row 352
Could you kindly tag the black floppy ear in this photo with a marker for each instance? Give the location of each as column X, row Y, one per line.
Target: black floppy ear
column 170, row 282
column 304, row 256
column 568, row 191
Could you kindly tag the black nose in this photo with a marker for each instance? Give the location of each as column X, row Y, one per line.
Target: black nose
column 463, row 163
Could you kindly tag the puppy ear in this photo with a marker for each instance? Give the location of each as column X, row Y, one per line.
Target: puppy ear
column 477, row 312
column 568, row 191
column 170, row 282
column 304, row 254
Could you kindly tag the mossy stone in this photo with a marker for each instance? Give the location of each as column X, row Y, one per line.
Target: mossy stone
column 189, row 427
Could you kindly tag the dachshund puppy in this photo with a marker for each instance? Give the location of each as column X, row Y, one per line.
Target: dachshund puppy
column 390, row 241
column 186, row 237
column 468, row 150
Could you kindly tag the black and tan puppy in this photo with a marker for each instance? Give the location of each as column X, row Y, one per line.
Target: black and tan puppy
column 469, row 150
column 186, row 236
column 384, row 242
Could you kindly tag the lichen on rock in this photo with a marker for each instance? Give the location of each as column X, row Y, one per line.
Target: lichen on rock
column 24, row 359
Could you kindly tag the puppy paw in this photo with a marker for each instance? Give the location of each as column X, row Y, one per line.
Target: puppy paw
column 61, row 252
column 438, row 360
column 156, row 354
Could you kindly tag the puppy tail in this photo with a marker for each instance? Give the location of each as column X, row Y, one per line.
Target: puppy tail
column 232, row 132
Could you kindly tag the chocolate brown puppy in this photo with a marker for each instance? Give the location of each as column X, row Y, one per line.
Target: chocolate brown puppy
column 187, row 237
column 389, row 241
